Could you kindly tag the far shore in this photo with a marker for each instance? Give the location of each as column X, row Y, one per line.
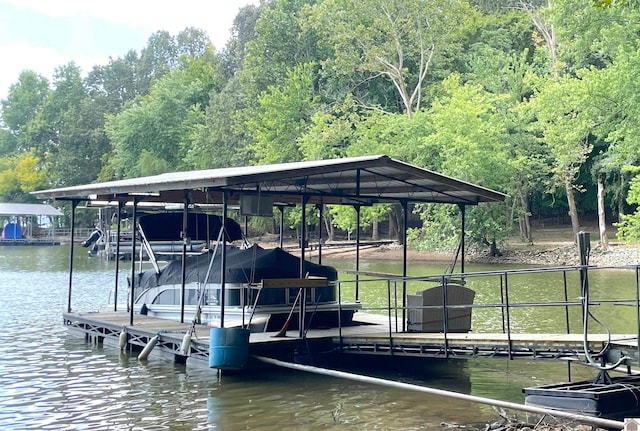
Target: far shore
column 551, row 247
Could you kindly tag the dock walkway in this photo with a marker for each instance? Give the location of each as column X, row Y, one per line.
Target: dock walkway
column 374, row 334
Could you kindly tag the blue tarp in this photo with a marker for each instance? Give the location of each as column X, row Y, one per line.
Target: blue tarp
column 12, row 231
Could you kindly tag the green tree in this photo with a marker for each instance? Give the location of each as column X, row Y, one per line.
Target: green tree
column 220, row 140
column 25, row 100
column 116, row 83
column 565, row 130
column 21, row 174
column 470, row 136
column 280, row 45
column 242, row 32
column 161, row 124
column 283, row 117
column 396, row 39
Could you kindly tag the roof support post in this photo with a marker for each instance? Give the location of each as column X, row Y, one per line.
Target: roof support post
column 117, row 256
column 134, row 216
column 357, row 208
column 463, row 209
column 281, row 209
column 319, row 207
column 74, row 204
column 185, row 241
column 303, row 237
column 223, row 256
column 405, row 218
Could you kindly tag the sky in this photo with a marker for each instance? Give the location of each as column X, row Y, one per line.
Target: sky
column 41, row 35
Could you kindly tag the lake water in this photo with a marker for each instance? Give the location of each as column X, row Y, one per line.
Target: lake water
column 50, row 380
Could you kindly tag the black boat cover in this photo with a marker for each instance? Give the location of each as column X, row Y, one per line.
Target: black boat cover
column 243, row 266
column 168, row 226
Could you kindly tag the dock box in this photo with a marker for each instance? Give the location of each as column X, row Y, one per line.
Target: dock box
column 425, row 310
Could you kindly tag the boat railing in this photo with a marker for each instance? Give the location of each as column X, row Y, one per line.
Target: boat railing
column 510, row 301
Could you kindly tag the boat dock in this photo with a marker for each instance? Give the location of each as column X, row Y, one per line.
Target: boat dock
column 425, row 316
column 370, row 335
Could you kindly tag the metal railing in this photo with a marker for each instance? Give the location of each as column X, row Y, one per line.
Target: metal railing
column 532, row 300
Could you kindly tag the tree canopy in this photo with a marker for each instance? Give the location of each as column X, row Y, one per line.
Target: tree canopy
column 536, row 99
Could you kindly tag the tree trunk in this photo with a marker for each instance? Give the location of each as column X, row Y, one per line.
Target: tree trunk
column 573, row 211
column 526, row 219
column 395, row 224
column 375, row 234
column 602, row 223
column 328, row 226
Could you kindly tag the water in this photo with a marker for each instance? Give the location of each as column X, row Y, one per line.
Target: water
column 50, row 380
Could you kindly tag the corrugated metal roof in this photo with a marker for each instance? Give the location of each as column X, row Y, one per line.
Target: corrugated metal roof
column 10, row 209
column 364, row 180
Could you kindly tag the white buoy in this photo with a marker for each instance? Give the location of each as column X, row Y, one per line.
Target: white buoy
column 122, row 340
column 185, row 348
column 148, row 348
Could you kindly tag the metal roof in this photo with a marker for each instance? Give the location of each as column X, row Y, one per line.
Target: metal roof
column 7, row 209
column 356, row 180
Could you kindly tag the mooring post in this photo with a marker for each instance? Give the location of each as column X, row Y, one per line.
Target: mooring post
column 584, row 247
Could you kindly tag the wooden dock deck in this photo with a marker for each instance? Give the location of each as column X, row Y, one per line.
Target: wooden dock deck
column 371, row 336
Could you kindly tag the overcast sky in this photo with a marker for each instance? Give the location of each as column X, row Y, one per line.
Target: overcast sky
column 42, row 34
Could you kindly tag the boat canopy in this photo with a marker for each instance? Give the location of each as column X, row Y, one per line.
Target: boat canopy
column 364, row 180
column 249, row 265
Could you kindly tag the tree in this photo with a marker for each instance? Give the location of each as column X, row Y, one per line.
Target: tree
column 116, row 83
column 395, row 39
column 26, row 98
column 160, row 126
column 242, row 32
column 283, row 117
column 565, row 131
column 470, row 136
column 221, row 139
column 83, row 144
column 21, row 174
column 280, row 45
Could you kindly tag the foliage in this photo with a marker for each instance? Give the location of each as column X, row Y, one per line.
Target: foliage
column 533, row 98
column 21, row 174
column 395, row 39
column 283, row 116
column 159, row 125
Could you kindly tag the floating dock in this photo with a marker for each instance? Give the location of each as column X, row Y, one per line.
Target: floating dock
column 29, row 241
column 371, row 334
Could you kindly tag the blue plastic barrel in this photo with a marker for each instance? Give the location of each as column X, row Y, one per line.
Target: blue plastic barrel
column 228, row 348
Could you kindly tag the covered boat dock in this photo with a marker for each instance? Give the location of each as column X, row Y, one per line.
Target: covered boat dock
column 28, row 224
column 358, row 182
column 256, row 190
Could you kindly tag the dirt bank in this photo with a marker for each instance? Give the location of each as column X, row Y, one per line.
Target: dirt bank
column 551, row 247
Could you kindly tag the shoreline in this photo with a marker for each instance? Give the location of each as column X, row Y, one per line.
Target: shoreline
column 544, row 254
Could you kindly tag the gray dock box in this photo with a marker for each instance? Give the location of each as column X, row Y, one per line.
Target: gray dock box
column 425, row 311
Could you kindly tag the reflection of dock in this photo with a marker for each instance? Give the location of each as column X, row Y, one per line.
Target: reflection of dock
column 373, row 334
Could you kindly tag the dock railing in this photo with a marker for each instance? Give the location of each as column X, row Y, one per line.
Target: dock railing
column 548, row 300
